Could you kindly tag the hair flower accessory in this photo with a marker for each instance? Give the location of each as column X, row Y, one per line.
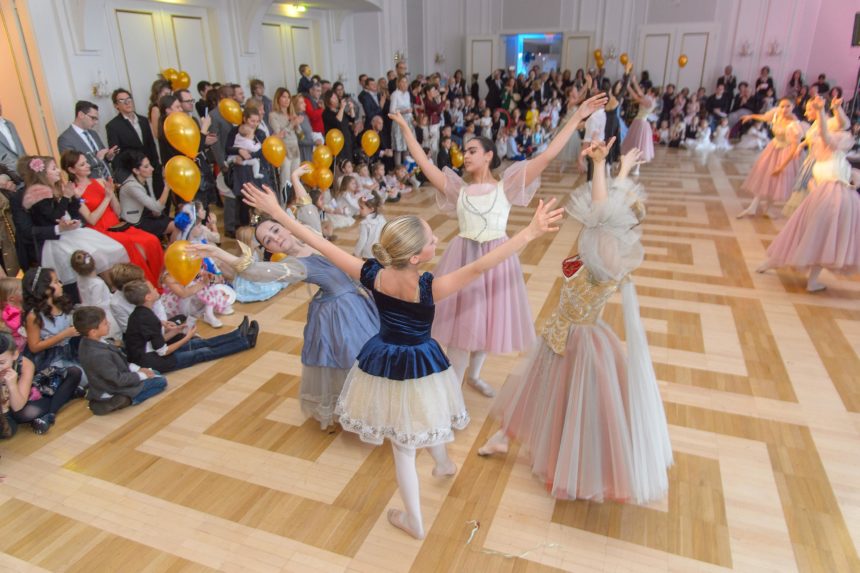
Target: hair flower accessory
column 37, row 165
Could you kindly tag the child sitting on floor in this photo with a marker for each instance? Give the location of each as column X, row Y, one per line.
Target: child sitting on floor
column 114, row 383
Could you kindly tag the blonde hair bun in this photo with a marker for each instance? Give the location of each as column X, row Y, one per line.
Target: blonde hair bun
column 381, row 255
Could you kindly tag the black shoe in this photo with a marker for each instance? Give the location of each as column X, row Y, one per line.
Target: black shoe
column 116, row 402
column 253, row 332
column 80, row 392
column 51, row 418
column 243, row 327
column 40, row 425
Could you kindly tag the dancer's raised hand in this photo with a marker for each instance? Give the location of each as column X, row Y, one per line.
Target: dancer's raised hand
column 631, row 159
column 591, row 105
column 544, row 218
column 263, row 199
column 397, row 118
column 598, row 150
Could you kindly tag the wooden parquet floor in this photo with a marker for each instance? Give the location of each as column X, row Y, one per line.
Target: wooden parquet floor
column 761, row 383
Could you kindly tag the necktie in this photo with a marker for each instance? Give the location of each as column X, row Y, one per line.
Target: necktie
column 92, row 142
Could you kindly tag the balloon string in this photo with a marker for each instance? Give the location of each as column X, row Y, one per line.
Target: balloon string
column 476, row 525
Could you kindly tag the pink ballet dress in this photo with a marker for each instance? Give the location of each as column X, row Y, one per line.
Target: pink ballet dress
column 639, row 134
column 588, row 413
column 492, row 313
column 824, row 231
column 761, row 182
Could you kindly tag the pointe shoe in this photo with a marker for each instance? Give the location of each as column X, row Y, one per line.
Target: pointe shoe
column 744, row 213
column 481, row 387
column 815, row 287
column 397, row 518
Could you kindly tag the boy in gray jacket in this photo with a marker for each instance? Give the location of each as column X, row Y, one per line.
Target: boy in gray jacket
column 114, row 383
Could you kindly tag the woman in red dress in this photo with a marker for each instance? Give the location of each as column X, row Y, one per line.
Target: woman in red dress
column 99, row 206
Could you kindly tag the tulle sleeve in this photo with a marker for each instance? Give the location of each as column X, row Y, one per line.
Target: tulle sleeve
column 369, row 270
column 286, row 271
column 609, row 243
column 446, row 199
column 514, row 182
column 841, row 140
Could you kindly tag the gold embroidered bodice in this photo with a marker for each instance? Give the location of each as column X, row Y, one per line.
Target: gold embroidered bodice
column 581, row 303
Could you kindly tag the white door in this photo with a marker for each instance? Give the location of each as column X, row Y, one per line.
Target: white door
column 302, row 49
column 481, row 57
column 694, row 45
column 577, row 52
column 655, row 48
column 191, row 49
column 137, row 36
column 273, row 59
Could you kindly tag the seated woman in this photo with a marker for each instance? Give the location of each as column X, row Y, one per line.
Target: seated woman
column 99, row 206
column 54, row 219
column 138, row 203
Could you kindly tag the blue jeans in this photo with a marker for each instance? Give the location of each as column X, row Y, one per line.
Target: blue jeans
column 151, row 387
column 199, row 350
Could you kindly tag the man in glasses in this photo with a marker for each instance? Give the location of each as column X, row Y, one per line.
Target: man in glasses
column 130, row 131
column 82, row 136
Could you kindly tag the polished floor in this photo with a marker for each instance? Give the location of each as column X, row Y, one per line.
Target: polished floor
column 761, row 383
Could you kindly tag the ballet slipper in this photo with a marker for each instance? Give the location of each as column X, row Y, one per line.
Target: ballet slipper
column 815, row 286
column 762, row 268
column 481, row 387
column 397, row 518
column 445, row 471
column 745, row 213
column 495, row 445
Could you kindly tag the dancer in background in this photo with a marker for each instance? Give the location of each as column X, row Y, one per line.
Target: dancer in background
column 824, row 231
column 589, row 414
column 772, row 176
column 402, row 386
column 492, row 314
column 639, row 135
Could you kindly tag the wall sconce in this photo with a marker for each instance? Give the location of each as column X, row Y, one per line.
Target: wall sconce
column 746, row 49
column 610, row 52
column 774, row 49
column 399, row 56
column 100, row 86
column 439, row 58
column 294, row 10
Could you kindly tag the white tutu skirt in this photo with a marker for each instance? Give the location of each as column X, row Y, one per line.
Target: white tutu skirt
column 57, row 254
column 340, row 221
column 321, row 386
column 414, row 413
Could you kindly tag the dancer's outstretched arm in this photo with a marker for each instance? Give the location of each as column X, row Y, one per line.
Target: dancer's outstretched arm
column 428, row 168
column 543, row 222
column 598, row 151
column 265, row 200
column 763, row 117
column 628, row 161
column 534, row 167
column 823, row 132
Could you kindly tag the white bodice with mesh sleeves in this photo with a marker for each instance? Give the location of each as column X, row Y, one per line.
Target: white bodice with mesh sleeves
column 483, row 208
column 836, row 166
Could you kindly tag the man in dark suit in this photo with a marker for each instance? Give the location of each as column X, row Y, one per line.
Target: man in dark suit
column 370, row 100
column 728, row 81
column 81, row 136
column 11, row 146
column 131, row 131
column 443, row 158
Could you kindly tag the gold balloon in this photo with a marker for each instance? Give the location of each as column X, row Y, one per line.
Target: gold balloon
column 682, row 60
column 599, row 62
column 309, row 178
column 323, row 178
column 456, row 158
column 274, row 150
column 334, row 140
column 230, row 110
column 182, row 81
column 370, row 142
column 183, row 177
column 278, row 257
column 182, row 133
column 598, row 54
column 624, row 58
column 182, row 265
column 170, row 74
column 323, row 157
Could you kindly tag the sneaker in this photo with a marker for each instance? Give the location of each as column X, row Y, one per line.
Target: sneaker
column 40, row 426
column 51, row 418
column 115, row 402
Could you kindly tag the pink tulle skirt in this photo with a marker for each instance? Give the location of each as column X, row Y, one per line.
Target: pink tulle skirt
column 639, row 135
column 569, row 412
column 824, row 231
column 492, row 313
column 760, row 181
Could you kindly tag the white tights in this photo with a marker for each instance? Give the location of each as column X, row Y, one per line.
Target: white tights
column 467, row 363
column 407, row 481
